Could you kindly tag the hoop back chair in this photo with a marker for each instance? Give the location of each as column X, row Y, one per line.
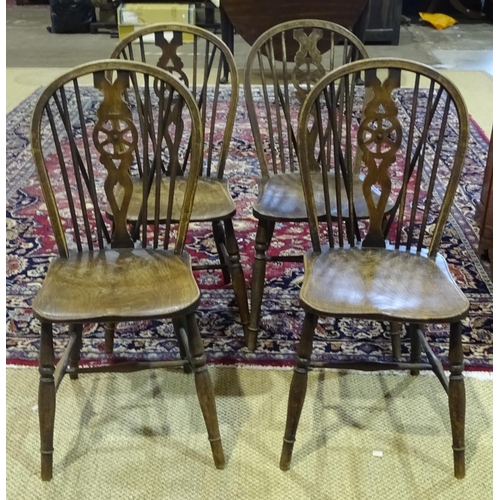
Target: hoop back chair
column 393, row 271
column 199, row 64
column 283, row 65
column 85, row 155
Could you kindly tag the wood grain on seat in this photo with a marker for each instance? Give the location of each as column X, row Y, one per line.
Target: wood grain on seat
column 121, row 284
column 381, row 284
column 281, row 197
column 211, row 201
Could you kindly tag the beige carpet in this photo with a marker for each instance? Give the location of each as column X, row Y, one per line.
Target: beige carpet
column 141, row 436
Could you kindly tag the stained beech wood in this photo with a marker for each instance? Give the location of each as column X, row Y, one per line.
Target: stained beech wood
column 204, row 390
column 284, row 63
column 456, row 397
column 389, row 269
column 201, row 64
column 74, row 357
column 124, row 270
column 46, row 400
column 109, row 337
column 395, row 329
column 131, row 366
column 436, row 365
column 298, row 388
column 415, row 346
column 62, row 364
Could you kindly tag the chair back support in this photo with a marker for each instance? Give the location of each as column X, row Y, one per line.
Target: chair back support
column 412, row 142
column 283, row 65
column 199, row 64
column 87, row 142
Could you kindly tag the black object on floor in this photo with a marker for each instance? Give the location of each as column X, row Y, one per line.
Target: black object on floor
column 71, row 16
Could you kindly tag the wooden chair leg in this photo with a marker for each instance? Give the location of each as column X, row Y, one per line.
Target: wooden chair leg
column 262, row 241
column 415, row 347
column 396, row 340
column 220, row 240
column 205, row 390
column 74, row 357
column 177, row 322
column 239, row 285
column 456, row 399
column 298, row 388
column 109, row 337
column 270, row 232
column 46, row 400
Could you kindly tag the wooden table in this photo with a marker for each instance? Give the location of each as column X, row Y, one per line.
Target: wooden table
column 251, row 18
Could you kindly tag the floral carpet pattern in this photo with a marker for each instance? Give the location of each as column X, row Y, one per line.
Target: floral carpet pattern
column 29, row 253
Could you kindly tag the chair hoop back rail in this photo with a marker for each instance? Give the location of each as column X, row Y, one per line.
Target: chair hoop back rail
column 197, row 64
column 393, row 272
column 118, row 112
column 286, row 82
column 104, row 273
column 380, row 137
column 169, row 57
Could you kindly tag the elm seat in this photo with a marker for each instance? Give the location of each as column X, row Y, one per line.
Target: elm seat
column 381, row 284
column 211, row 201
column 127, row 284
column 281, row 197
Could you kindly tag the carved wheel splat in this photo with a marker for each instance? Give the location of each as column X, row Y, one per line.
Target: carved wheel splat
column 171, row 62
column 115, row 138
column 379, row 138
column 307, row 72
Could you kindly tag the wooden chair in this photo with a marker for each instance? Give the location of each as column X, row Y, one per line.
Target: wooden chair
column 393, row 272
column 197, row 57
column 283, row 65
column 84, row 156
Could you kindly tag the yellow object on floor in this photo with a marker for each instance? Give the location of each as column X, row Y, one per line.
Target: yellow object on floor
column 439, row 21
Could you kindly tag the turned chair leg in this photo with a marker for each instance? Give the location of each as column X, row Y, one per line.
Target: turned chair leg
column 396, row 340
column 415, row 347
column 46, row 400
column 205, row 390
column 456, row 399
column 220, row 240
column 262, row 242
column 239, row 285
column 298, row 388
column 178, row 324
column 109, row 337
column 74, row 357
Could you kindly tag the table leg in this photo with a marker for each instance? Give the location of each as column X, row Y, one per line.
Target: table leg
column 227, row 31
column 359, row 28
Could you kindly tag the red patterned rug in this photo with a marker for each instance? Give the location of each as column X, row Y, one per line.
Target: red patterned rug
column 28, row 256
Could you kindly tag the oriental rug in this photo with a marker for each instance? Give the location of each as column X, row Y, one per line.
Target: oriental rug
column 28, row 257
